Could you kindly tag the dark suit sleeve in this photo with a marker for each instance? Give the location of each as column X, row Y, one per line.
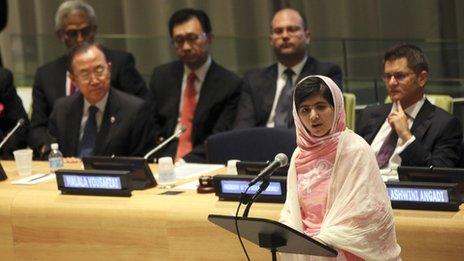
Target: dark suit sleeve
column 246, row 114
column 13, row 110
column 335, row 73
column 40, row 111
column 129, row 79
column 143, row 132
column 446, row 150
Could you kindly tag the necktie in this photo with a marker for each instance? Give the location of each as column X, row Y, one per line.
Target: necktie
column 387, row 149
column 283, row 114
column 189, row 104
column 90, row 134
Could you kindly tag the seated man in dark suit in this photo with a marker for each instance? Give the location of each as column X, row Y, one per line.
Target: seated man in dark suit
column 194, row 92
column 99, row 120
column 266, row 98
column 410, row 131
column 11, row 111
column 75, row 23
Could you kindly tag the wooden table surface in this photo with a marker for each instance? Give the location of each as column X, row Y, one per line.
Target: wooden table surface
column 38, row 223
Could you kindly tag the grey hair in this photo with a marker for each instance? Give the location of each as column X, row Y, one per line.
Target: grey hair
column 68, row 7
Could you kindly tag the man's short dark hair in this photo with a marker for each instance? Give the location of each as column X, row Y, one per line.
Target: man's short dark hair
column 82, row 48
column 414, row 55
column 185, row 14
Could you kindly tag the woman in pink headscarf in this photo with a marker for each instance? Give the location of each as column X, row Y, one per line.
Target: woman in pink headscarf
column 334, row 190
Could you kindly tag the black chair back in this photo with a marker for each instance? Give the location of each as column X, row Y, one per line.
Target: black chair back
column 253, row 144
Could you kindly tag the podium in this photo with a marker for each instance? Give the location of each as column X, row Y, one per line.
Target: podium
column 274, row 236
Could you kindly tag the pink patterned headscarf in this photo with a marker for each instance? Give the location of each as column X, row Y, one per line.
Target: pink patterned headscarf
column 319, row 150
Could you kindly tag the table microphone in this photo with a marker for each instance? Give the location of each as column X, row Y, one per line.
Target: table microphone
column 19, row 124
column 280, row 160
column 164, row 143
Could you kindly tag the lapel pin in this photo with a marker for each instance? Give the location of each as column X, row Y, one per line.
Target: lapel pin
column 112, row 119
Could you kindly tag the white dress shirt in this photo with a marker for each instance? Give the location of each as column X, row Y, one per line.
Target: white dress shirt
column 98, row 116
column 281, row 80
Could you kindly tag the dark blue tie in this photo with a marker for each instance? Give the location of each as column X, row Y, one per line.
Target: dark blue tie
column 283, row 114
column 90, row 134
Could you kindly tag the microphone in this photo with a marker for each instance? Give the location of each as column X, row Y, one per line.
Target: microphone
column 280, row 160
column 164, row 143
column 7, row 137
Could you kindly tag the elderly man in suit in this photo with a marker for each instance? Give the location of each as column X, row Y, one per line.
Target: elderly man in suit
column 266, row 99
column 75, row 23
column 99, row 120
column 411, row 131
column 195, row 92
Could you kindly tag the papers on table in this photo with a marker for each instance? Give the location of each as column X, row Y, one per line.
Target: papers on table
column 34, row 179
column 389, row 175
column 191, row 170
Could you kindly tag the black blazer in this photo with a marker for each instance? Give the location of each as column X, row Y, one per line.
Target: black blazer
column 127, row 127
column 13, row 110
column 215, row 111
column 50, row 84
column 258, row 93
column 438, row 135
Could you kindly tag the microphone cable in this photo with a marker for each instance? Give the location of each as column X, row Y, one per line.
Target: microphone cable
column 236, row 224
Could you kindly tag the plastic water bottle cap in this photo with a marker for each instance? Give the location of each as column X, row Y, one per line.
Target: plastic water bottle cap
column 54, row 146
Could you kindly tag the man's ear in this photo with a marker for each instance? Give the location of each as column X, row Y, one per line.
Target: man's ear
column 423, row 78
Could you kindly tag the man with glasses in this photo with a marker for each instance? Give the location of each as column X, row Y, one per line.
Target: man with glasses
column 195, row 92
column 266, row 99
column 99, row 120
column 410, row 131
column 75, row 23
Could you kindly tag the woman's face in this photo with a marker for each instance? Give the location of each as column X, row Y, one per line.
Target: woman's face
column 317, row 115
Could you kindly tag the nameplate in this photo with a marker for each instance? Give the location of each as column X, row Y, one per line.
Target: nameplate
column 231, row 187
column 424, row 195
column 94, row 182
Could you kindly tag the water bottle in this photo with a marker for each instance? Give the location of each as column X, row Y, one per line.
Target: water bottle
column 55, row 159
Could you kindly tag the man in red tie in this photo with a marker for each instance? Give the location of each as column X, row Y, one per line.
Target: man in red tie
column 410, row 131
column 194, row 92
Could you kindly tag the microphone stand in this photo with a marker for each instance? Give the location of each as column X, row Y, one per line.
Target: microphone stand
column 161, row 145
column 262, row 188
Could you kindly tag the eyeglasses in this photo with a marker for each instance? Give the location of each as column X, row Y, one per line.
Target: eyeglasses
column 291, row 30
column 399, row 76
column 99, row 72
column 190, row 38
column 84, row 32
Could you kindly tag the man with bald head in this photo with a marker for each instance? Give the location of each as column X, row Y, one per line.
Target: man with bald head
column 99, row 120
column 266, row 98
column 75, row 24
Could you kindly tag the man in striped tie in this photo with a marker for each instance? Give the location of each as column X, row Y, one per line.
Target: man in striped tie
column 410, row 131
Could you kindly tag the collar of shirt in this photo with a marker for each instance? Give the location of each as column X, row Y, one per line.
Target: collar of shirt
column 412, row 110
column 101, row 108
column 297, row 68
column 200, row 73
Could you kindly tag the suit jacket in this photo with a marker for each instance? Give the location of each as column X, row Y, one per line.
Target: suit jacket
column 50, row 81
column 438, row 135
column 126, row 129
column 258, row 93
column 12, row 111
column 215, row 111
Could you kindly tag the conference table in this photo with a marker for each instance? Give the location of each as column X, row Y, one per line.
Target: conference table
column 37, row 222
